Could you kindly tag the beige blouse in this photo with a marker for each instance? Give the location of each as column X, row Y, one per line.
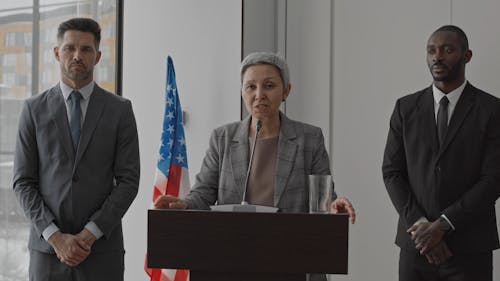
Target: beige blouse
column 261, row 181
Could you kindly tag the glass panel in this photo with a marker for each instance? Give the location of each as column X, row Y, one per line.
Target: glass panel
column 15, row 86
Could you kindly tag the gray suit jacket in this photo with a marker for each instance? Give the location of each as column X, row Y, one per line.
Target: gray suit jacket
column 301, row 152
column 97, row 183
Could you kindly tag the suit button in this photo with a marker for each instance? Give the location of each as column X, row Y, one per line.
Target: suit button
column 75, row 178
column 438, row 168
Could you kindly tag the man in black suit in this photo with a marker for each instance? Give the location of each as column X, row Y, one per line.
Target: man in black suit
column 442, row 169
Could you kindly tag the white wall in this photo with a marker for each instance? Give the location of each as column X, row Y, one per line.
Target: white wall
column 308, row 51
column 260, row 31
column 204, row 40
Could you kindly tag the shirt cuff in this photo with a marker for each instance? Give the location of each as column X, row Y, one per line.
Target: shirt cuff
column 94, row 229
column 420, row 220
column 448, row 221
column 51, row 229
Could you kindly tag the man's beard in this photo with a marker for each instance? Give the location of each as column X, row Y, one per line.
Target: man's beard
column 78, row 76
column 452, row 75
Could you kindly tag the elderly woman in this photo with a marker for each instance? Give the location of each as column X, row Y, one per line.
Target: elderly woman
column 286, row 151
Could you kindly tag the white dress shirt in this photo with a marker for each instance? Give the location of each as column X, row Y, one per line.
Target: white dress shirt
column 86, row 91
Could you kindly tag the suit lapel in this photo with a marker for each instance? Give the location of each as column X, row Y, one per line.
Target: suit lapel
column 287, row 150
column 239, row 155
column 60, row 117
column 462, row 109
column 427, row 120
column 92, row 116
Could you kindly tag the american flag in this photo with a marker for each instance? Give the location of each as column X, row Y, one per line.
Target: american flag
column 172, row 177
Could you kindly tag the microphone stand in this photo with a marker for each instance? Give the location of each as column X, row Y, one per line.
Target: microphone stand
column 244, row 206
column 257, row 129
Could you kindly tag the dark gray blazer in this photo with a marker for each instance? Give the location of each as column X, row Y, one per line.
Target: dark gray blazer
column 97, row 183
column 301, row 152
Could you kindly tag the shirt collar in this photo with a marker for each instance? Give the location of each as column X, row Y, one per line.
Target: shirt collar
column 452, row 96
column 86, row 90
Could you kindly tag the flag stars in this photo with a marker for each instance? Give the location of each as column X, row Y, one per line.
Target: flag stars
column 170, row 101
column 170, row 142
column 182, row 141
column 169, row 88
column 170, row 129
column 180, row 159
column 170, row 115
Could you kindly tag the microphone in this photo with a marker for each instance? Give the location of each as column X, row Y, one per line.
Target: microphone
column 244, row 206
column 257, row 129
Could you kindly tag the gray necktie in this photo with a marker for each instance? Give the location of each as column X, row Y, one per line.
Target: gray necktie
column 442, row 119
column 75, row 117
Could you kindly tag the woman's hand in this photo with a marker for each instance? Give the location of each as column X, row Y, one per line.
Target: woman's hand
column 343, row 205
column 170, row 202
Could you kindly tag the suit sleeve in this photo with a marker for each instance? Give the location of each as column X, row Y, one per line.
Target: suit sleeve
column 205, row 190
column 486, row 191
column 395, row 173
column 320, row 160
column 26, row 178
column 126, row 173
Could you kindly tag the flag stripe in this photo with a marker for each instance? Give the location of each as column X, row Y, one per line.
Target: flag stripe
column 171, row 177
column 181, row 275
column 156, row 193
column 174, row 180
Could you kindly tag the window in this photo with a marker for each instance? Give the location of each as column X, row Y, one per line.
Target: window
column 28, row 30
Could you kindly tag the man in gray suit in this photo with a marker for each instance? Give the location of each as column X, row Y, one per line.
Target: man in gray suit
column 76, row 168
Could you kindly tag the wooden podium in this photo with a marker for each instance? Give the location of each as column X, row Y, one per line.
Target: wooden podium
column 233, row 246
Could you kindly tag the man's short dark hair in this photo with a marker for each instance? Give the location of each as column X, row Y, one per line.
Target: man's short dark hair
column 83, row 25
column 458, row 31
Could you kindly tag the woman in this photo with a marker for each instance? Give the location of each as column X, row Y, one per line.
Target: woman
column 286, row 151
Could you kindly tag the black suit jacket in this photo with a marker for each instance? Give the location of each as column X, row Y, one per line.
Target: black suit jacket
column 460, row 179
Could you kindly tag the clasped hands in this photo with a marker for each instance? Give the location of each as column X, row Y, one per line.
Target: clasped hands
column 340, row 205
column 72, row 249
column 428, row 238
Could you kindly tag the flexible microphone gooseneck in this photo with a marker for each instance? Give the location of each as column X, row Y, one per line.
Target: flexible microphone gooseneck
column 244, row 206
column 257, row 129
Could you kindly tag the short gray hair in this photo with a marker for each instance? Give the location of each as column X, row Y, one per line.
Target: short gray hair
column 267, row 58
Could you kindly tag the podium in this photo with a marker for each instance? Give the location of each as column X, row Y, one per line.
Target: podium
column 227, row 246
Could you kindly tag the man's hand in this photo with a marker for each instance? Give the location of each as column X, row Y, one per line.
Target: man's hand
column 343, row 205
column 170, row 202
column 439, row 254
column 70, row 249
column 87, row 236
column 426, row 235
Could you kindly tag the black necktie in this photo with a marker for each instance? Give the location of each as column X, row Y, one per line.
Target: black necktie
column 75, row 117
column 442, row 119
